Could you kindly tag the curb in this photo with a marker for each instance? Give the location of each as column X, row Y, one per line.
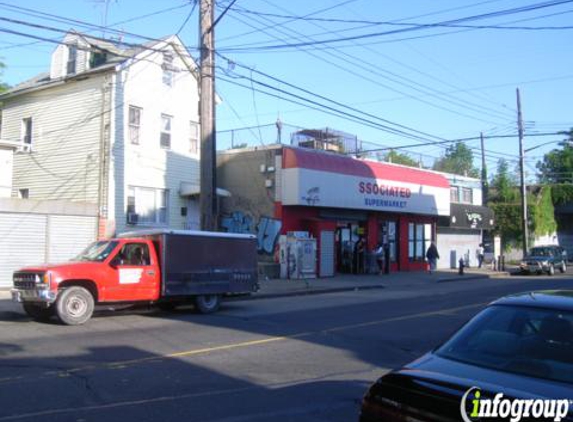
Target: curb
column 309, row 292
column 474, row 277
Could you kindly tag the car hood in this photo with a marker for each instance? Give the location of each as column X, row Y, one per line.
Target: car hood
column 538, row 258
column 432, row 389
column 56, row 266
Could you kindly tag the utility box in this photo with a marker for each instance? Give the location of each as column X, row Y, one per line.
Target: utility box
column 297, row 256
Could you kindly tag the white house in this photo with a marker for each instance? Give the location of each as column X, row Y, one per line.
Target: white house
column 7, row 149
column 110, row 125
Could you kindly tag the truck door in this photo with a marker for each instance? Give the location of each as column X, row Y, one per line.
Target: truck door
column 133, row 274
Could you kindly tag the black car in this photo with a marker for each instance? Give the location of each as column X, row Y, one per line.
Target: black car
column 520, row 346
column 545, row 259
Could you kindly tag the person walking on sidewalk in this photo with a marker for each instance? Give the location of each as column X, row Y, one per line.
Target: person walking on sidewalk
column 480, row 254
column 432, row 255
column 359, row 256
column 379, row 253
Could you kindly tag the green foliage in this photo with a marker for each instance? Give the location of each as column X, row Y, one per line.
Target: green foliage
column 400, row 158
column 506, row 204
column 457, row 160
column 3, row 86
column 503, row 183
column 557, row 165
column 562, row 193
column 542, row 213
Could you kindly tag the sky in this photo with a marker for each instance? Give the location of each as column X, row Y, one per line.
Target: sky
column 392, row 74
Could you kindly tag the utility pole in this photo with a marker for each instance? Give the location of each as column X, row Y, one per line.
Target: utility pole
column 484, row 183
column 207, row 196
column 524, row 224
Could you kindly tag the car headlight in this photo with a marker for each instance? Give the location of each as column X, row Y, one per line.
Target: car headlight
column 523, row 263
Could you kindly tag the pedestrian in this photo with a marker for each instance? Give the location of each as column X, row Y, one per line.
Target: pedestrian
column 359, row 255
column 480, row 254
column 432, row 255
column 379, row 252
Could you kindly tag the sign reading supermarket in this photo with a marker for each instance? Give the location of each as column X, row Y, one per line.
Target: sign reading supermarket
column 318, row 179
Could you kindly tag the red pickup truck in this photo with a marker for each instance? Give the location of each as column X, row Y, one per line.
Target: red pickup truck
column 165, row 267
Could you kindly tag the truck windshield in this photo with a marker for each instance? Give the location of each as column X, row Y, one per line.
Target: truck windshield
column 97, row 251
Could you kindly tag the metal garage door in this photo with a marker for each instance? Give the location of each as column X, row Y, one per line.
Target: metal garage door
column 22, row 242
column 326, row 253
column 68, row 236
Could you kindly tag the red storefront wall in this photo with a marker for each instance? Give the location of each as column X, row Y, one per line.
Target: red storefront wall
column 300, row 218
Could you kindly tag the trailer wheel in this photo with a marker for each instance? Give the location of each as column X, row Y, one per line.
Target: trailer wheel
column 75, row 305
column 38, row 312
column 207, row 304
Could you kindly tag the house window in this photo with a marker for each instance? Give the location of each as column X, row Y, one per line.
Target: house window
column 419, row 239
column 149, row 204
column 23, row 193
column 72, row 57
column 165, row 138
column 167, row 68
column 97, row 58
column 467, row 196
column 454, row 194
column 134, row 124
column 27, row 130
column 193, row 137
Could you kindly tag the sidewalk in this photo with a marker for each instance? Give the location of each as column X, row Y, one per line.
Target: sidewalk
column 347, row 282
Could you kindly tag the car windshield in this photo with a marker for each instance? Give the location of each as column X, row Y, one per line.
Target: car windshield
column 540, row 252
column 97, row 251
column 530, row 341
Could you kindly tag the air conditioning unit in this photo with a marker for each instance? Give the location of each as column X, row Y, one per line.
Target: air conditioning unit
column 24, row 148
column 132, row 218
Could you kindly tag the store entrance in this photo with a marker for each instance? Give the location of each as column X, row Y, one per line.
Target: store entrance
column 346, row 236
column 388, row 236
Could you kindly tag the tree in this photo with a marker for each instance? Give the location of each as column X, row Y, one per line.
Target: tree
column 457, row 160
column 3, row 86
column 400, row 158
column 557, row 165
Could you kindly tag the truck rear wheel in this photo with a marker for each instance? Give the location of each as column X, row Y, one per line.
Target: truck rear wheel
column 207, row 304
column 38, row 312
column 75, row 305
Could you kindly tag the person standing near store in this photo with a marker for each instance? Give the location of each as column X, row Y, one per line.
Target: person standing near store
column 432, row 256
column 480, row 254
column 359, row 256
column 379, row 253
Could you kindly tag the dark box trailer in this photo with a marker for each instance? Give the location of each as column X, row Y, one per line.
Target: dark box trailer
column 204, row 263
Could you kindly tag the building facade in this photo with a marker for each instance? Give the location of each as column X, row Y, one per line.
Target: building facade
column 113, row 126
column 461, row 233
column 337, row 200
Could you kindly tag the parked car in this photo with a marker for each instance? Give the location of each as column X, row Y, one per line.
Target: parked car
column 520, row 346
column 544, row 259
column 166, row 267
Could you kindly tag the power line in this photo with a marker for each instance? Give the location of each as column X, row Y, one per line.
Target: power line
column 499, row 13
column 411, row 84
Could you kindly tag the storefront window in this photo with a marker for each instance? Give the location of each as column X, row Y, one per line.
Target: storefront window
column 419, row 238
column 387, row 236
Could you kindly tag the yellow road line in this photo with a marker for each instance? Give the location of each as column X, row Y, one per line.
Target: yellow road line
column 251, row 343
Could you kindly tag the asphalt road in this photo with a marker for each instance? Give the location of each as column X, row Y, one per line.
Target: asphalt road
column 307, row 358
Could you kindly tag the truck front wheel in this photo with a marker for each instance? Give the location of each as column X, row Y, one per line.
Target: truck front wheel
column 207, row 304
column 75, row 305
column 37, row 312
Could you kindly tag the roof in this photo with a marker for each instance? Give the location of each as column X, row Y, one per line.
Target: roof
column 336, row 163
column 155, row 232
column 117, row 55
column 553, row 299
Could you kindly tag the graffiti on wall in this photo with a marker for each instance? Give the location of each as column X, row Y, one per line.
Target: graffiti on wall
column 267, row 230
column 237, row 222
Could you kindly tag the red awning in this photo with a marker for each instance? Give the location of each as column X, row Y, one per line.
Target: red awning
column 333, row 163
